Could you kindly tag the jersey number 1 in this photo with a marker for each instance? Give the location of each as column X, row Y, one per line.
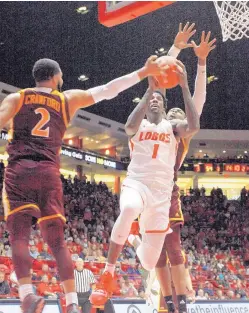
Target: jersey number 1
column 155, row 150
column 45, row 118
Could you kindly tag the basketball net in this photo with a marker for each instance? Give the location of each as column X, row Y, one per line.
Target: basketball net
column 234, row 19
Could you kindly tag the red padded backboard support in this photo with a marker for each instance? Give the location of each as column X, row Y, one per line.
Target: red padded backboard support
column 128, row 12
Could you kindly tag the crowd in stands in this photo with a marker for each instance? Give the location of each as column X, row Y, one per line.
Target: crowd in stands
column 215, row 237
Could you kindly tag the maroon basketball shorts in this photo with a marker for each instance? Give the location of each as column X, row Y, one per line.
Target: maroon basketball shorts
column 175, row 212
column 33, row 188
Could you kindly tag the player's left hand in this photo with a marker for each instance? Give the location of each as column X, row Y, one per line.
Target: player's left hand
column 205, row 47
column 183, row 36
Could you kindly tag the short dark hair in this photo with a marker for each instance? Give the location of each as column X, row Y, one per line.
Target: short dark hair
column 45, row 69
column 162, row 95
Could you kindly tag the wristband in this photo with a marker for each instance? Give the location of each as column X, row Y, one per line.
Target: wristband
column 174, row 51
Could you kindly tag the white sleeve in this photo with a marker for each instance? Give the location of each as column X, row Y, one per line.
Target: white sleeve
column 199, row 96
column 174, row 51
column 114, row 87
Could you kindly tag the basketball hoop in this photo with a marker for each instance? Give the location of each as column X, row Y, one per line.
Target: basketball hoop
column 234, row 19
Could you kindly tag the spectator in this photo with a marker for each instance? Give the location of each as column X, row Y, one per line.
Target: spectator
column 55, row 287
column 44, row 253
column 208, row 289
column 200, row 295
column 45, row 271
column 132, row 270
column 8, row 251
column 33, row 252
column 44, row 288
column 230, row 295
column 84, row 281
column 128, row 290
column 4, row 286
column 220, row 295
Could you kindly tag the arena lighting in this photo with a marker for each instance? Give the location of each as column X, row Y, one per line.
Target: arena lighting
column 70, row 141
column 83, row 78
column 87, row 138
column 107, row 152
column 92, row 140
column 136, row 100
column 245, row 152
column 160, row 51
column 224, row 151
column 200, row 150
column 97, row 141
column 82, row 10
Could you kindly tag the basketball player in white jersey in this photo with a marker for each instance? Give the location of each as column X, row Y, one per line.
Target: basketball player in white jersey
column 146, row 191
column 172, row 255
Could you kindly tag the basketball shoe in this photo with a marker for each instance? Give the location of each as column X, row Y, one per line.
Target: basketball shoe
column 32, row 304
column 103, row 291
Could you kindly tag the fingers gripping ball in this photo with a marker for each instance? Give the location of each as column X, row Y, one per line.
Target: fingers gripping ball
column 169, row 78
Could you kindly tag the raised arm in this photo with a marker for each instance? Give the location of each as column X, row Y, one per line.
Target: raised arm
column 9, row 107
column 189, row 127
column 202, row 51
column 181, row 42
column 84, row 98
column 181, row 39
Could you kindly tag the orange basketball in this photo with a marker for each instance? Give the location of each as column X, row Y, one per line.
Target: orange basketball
column 170, row 79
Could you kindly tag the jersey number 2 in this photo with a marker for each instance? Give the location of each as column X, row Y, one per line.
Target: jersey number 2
column 45, row 118
column 155, row 150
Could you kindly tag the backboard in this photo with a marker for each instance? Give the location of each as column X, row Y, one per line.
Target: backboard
column 113, row 13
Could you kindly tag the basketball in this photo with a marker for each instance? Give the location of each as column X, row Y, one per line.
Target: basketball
column 170, row 79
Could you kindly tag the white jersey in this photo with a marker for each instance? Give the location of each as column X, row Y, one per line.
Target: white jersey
column 153, row 153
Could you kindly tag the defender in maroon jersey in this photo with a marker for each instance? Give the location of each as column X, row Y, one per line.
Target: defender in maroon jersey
column 32, row 187
column 172, row 245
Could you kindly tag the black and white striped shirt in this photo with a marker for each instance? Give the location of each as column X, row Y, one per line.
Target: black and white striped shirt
column 83, row 280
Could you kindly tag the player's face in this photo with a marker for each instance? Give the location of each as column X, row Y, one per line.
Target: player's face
column 176, row 114
column 156, row 104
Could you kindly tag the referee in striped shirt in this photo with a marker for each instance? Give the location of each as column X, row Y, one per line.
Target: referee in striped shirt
column 84, row 281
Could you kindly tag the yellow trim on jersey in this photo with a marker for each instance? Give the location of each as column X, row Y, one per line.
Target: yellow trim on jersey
column 63, row 105
column 180, row 218
column 183, row 255
column 20, row 104
column 22, row 207
column 11, row 131
column 45, row 218
column 6, row 203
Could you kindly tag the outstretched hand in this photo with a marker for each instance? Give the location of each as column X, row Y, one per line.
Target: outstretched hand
column 154, row 68
column 183, row 36
column 205, row 47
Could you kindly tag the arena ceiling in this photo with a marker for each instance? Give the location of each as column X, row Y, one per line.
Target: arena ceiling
column 32, row 30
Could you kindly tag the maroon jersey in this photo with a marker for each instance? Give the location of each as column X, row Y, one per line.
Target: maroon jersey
column 182, row 151
column 39, row 126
